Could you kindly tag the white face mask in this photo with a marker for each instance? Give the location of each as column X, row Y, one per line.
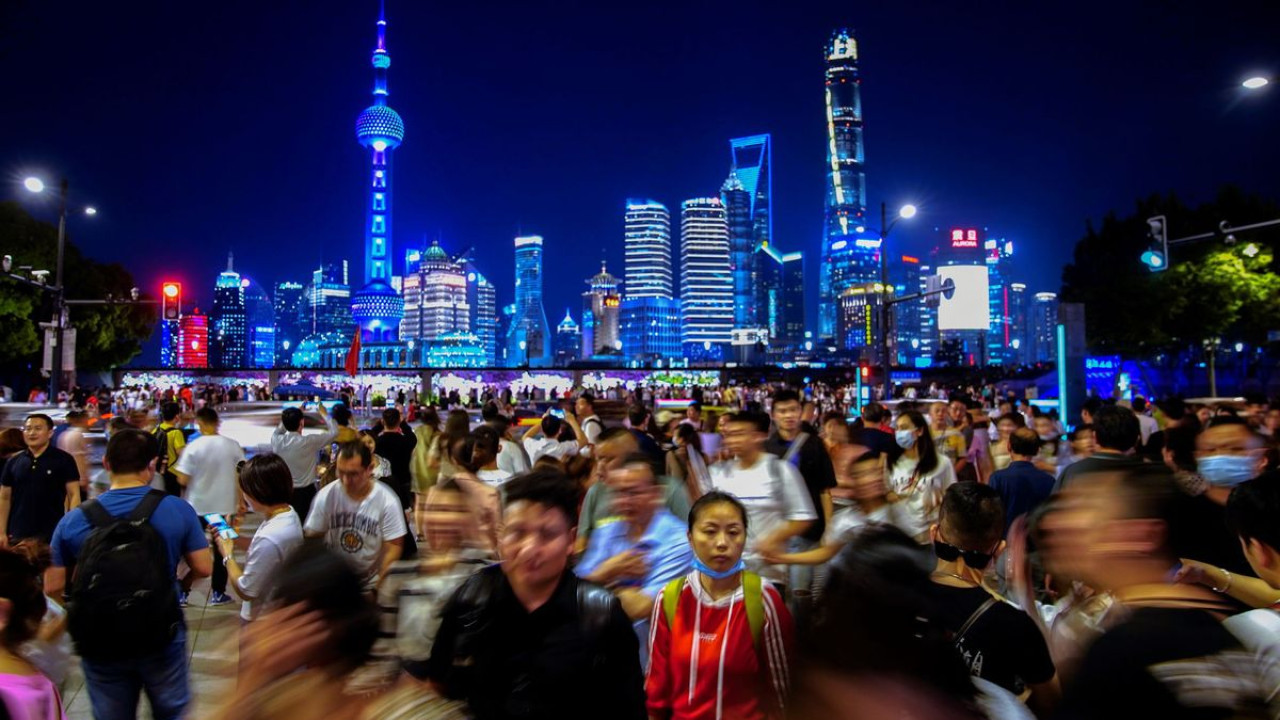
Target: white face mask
column 905, row 438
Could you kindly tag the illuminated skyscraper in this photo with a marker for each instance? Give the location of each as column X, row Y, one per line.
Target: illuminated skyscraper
column 568, row 343
column 326, row 306
column 600, row 315
column 529, row 340
column 435, row 298
column 1044, row 326
column 706, row 281
column 647, row 244
column 260, row 326
column 742, row 253
column 227, row 319
column 378, row 308
column 1019, row 345
column 752, row 159
column 287, row 304
column 792, row 316
column 844, row 263
column 482, row 303
column 193, row 346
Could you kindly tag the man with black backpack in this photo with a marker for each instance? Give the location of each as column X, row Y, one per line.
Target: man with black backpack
column 169, row 444
column 121, row 552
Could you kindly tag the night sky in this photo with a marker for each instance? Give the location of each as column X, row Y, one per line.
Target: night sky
column 198, row 128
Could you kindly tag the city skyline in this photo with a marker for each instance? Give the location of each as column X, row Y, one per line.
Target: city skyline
column 894, row 168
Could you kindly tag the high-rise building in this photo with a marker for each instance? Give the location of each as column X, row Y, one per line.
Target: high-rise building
column 229, row 336
column 326, row 307
column 858, row 322
column 568, row 342
column 915, row 322
column 529, row 340
column 844, row 261
column 435, row 298
column 170, row 336
column 767, row 289
column 193, row 340
column 600, row 306
column 752, row 159
column 963, row 247
column 287, row 303
column 742, row 252
column 260, row 326
column 650, row 329
column 647, row 248
column 791, row 331
column 1044, row 323
column 482, row 301
column 1019, row 343
column 378, row 308
column 999, row 258
column 506, row 322
column 706, row 281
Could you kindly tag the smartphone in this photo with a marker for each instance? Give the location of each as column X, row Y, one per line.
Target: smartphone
column 557, row 412
column 219, row 525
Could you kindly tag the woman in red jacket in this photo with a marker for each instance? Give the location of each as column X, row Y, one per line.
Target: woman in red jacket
column 720, row 638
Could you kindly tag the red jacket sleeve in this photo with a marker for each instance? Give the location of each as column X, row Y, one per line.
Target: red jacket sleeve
column 657, row 677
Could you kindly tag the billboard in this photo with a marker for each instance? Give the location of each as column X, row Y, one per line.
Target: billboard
column 969, row 307
column 961, row 238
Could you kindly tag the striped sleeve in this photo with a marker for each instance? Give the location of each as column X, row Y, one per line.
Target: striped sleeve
column 659, row 693
column 777, row 638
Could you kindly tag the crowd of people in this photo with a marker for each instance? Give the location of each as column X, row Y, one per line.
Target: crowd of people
column 763, row 557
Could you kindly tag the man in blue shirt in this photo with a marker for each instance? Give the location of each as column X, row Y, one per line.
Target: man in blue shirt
column 115, row 684
column 647, row 548
column 1022, row 486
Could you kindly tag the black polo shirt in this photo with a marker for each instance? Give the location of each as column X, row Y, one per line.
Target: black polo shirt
column 815, row 468
column 39, row 491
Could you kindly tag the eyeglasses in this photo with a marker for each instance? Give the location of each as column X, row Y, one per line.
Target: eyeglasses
column 973, row 558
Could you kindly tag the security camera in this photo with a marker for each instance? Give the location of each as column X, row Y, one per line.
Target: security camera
column 1224, row 228
column 41, row 276
column 133, row 293
column 7, row 263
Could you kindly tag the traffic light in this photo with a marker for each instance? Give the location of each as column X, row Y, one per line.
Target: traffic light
column 1156, row 258
column 864, row 372
column 171, row 301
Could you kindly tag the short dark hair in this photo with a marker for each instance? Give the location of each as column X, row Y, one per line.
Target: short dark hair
column 551, row 426
column 972, row 515
column 637, row 414
column 1139, row 404
column 873, row 413
column 589, row 399
column 355, row 449
column 1226, row 421
column 169, row 411
column 545, row 486
column 1091, row 405
column 786, row 395
column 48, row 421
column 391, row 418
column 487, row 438
column 129, row 451
column 1148, row 492
column 76, row 415
column 428, row 417
column 341, row 414
column 1180, row 440
column 291, row 419
column 716, row 497
column 1116, row 428
column 614, row 433
column 640, row 458
column 759, row 420
column 1253, row 507
column 832, row 416
column 267, row 479
column 324, row 580
column 1173, row 408
column 1080, row 430
column 695, row 405
column 19, row 583
column 489, row 411
column 1016, row 418
column 1024, row 441
column 689, row 434
column 207, row 415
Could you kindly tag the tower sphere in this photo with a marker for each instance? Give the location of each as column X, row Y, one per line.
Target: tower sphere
column 379, row 123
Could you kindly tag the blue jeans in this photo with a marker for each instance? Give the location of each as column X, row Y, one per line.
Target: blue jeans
column 115, row 685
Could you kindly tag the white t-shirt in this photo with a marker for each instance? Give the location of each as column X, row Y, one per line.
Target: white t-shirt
column 494, row 478
column 1147, row 426
column 511, row 458
column 920, row 497
column 210, row 462
column 773, row 494
column 272, row 543
column 592, row 427
column 358, row 529
column 846, row 519
column 538, row 447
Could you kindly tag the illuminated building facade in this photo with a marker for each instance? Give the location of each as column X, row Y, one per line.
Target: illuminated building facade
column 1044, row 326
column 600, row 306
column 260, row 326
column 706, row 280
column 742, row 254
column 229, row 335
column 647, row 248
column 193, row 345
column 568, row 343
column 326, row 305
column 915, row 322
column 170, row 336
column 844, row 261
column 435, row 298
column 482, row 303
column 529, row 340
column 1020, row 347
column 650, row 330
column 858, row 321
column 377, row 307
column 287, row 305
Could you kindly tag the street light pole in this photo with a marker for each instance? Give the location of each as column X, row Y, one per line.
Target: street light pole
column 59, row 299
column 884, row 302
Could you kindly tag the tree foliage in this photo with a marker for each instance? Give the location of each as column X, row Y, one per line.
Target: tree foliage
column 106, row 335
column 1211, row 290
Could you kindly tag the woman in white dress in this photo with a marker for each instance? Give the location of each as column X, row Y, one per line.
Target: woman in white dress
column 918, row 475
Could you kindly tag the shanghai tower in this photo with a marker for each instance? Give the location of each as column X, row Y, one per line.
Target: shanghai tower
column 845, row 261
column 377, row 308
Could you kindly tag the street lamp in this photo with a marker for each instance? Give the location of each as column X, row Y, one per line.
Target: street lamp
column 906, row 212
column 1255, row 83
column 34, row 184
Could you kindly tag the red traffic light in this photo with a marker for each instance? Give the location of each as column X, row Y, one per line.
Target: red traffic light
column 171, row 290
column 865, row 371
column 171, row 301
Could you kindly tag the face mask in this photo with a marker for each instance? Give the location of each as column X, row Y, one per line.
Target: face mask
column 715, row 574
column 1048, row 437
column 1227, row 470
column 905, row 438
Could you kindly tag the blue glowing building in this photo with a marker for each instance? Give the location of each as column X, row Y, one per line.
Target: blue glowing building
column 228, row 334
column 845, row 261
column 529, row 339
column 377, row 308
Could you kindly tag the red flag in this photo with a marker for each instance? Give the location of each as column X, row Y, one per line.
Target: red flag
column 353, row 355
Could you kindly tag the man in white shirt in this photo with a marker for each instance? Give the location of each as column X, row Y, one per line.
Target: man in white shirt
column 207, row 469
column 544, row 438
column 778, row 504
column 302, row 453
column 512, row 458
column 359, row 517
column 1146, row 424
column 585, row 409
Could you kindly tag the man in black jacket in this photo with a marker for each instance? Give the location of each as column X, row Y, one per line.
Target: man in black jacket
column 527, row 638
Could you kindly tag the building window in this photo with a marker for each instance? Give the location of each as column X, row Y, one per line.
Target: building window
column 379, row 223
column 379, row 201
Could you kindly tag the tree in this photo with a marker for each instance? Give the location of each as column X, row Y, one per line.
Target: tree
column 1211, row 290
column 106, row 335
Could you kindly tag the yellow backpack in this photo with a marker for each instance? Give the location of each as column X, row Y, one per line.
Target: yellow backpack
column 752, row 601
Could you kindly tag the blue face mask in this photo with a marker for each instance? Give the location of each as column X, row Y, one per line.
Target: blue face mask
column 905, row 438
column 1227, row 470
column 715, row 574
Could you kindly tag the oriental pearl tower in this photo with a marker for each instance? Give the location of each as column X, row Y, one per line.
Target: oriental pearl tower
column 377, row 308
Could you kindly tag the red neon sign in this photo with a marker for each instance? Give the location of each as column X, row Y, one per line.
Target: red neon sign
column 964, row 238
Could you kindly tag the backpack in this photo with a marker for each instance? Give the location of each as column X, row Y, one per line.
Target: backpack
column 123, row 599
column 752, row 601
column 162, row 447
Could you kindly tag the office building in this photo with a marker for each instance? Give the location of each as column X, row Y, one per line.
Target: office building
column 1044, row 326
column 858, row 322
column 326, row 305
column 228, row 330
column 482, row 301
column 647, row 248
column 1019, row 342
column 193, row 341
column 287, row 304
column 650, row 330
column 435, row 298
column 529, row 339
column 845, row 262
column 260, row 326
column 170, row 337
column 791, row 327
column 568, row 342
column 706, row 281
column 600, row 305
column 746, row 195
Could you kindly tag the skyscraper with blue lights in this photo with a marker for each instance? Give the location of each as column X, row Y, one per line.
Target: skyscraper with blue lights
column 529, row 339
column 752, row 159
column 706, row 282
column 845, row 261
column 377, row 308
column 742, row 253
column 228, row 334
column 649, row 318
